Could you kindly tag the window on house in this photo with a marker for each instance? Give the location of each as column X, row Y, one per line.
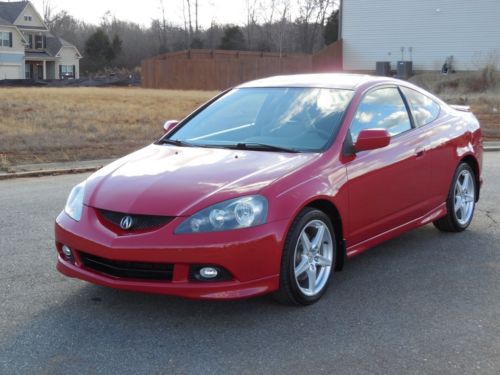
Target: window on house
column 67, row 70
column 5, row 39
column 38, row 41
column 28, row 18
column 30, row 40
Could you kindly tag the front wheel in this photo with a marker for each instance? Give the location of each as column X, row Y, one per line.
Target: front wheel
column 461, row 201
column 308, row 258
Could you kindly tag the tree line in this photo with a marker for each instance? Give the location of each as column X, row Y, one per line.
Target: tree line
column 270, row 27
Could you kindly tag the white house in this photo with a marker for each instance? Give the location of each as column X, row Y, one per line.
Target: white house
column 27, row 48
column 423, row 31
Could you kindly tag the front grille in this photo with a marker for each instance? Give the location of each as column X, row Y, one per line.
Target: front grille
column 139, row 222
column 129, row 270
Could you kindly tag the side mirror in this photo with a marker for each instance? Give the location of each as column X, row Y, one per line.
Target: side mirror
column 170, row 125
column 371, row 139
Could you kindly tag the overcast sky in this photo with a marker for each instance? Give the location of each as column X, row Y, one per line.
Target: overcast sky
column 143, row 11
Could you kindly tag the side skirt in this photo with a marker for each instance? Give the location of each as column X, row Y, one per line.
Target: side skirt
column 360, row 247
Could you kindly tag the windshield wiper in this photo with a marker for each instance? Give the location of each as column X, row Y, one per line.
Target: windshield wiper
column 262, row 147
column 176, row 142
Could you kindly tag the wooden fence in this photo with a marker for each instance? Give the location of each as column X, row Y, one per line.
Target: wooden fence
column 220, row 69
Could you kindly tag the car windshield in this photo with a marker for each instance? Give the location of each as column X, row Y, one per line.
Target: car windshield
column 270, row 119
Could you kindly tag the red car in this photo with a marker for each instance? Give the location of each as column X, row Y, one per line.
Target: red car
column 269, row 186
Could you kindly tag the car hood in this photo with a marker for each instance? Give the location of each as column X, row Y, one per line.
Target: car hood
column 177, row 181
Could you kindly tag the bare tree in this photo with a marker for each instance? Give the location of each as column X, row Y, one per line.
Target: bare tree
column 196, row 17
column 48, row 13
column 188, row 2
column 251, row 6
column 312, row 16
column 163, row 38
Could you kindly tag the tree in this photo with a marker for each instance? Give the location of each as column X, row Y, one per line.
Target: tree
column 331, row 31
column 233, row 38
column 311, row 20
column 116, row 47
column 99, row 52
column 162, row 30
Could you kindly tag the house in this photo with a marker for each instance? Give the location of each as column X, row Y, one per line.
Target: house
column 425, row 32
column 27, row 48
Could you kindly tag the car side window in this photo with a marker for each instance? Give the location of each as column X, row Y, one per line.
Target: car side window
column 424, row 109
column 381, row 109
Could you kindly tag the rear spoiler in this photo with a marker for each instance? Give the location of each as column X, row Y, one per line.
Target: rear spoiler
column 461, row 108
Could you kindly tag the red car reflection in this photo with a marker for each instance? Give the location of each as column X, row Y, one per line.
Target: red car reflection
column 270, row 186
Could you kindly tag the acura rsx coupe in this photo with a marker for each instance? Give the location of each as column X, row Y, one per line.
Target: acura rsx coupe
column 270, row 186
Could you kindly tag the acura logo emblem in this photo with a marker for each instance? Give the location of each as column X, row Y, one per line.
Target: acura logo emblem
column 126, row 222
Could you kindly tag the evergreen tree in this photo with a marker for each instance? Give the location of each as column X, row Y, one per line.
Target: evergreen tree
column 233, row 38
column 99, row 51
column 331, row 30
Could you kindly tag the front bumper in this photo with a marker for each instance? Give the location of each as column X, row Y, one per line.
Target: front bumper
column 252, row 256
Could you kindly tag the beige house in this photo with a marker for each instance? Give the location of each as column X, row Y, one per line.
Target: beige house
column 27, row 48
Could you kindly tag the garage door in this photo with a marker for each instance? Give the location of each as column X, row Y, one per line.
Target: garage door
column 10, row 72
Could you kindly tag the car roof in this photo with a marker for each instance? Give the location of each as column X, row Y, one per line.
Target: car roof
column 323, row 80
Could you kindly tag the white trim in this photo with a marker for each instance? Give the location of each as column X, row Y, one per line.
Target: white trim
column 34, row 10
column 10, row 64
column 12, row 52
column 76, row 49
column 18, row 31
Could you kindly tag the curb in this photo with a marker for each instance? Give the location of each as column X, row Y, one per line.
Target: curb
column 48, row 172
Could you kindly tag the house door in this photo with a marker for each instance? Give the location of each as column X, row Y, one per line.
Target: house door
column 28, row 68
column 39, row 71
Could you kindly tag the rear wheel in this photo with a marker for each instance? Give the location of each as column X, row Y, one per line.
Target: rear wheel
column 461, row 201
column 308, row 259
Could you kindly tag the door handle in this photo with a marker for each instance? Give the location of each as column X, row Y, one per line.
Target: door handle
column 420, row 151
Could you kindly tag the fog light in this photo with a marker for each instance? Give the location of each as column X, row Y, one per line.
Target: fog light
column 67, row 251
column 208, row 272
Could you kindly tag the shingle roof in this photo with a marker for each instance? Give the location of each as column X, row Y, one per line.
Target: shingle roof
column 55, row 43
column 42, row 55
column 10, row 11
column 4, row 22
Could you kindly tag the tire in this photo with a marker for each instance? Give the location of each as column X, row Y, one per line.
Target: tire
column 308, row 259
column 461, row 201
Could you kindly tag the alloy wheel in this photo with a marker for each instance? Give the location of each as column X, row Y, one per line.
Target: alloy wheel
column 464, row 197
column 313, row 257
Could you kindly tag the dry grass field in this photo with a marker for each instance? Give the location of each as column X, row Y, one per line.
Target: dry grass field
column 64, row 124
column 480, row 90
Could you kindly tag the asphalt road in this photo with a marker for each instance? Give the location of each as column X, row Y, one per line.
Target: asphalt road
column 424, row 303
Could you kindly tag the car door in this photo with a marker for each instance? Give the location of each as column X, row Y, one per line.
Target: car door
column 432, row 130
column 387, row 185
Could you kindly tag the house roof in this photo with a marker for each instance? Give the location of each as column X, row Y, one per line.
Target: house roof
column 11, row 10
column 55, row 43
column 38, row 56
column 3, row 21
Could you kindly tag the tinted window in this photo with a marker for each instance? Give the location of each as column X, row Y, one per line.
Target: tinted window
column 424, row 109
column 381, row 109
column 304, row 119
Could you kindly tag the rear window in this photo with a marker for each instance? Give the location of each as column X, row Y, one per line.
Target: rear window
column 424, row 109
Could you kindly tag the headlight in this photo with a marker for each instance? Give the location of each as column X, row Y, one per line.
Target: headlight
column 74, row 204
column 236, row 213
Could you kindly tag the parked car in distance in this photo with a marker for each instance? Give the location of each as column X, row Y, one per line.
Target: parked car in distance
column 270, row 186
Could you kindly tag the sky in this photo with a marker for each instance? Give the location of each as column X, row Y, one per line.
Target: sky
column 143, row 11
